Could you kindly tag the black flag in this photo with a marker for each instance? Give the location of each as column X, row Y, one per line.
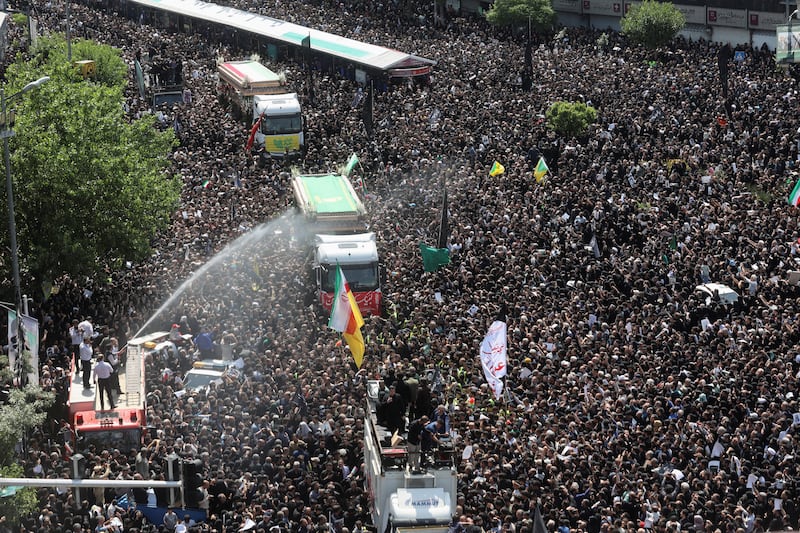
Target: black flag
column 367, row 113
column 527, row 81
column 723, row 57
column 502, row 313
column 444, row 226
column 306, row 45
column 538, row 522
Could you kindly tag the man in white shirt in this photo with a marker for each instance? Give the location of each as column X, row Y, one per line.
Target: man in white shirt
column 76, row 338
column 170, row 520
column 184, row 525
column 85, row 350
column 87, row 328
column 113, row 360
column 102, row 375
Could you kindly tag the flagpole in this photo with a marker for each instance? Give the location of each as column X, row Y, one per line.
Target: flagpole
column 308, row 69
column 369, row 129
column 442, row 214
column 363, row 180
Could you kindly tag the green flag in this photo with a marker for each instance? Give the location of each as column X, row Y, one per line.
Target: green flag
column 541, row 170
column 5, row 492
column 351, row 164
column 139, row 77
column 433, row 258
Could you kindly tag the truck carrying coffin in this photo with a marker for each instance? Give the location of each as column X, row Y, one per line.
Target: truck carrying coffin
column 335, row 226
column 251, row 78
column 357, row 255
column 402, row 500
column 329, row 203
column 262, row 100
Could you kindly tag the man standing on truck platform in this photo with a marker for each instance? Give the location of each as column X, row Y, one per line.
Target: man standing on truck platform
column 85, row 350
column 414, row 440
column 76, row 338
column 430, row 438
column 394, row 411
column 102, row 374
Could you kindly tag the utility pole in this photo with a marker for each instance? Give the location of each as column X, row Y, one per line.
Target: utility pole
column 6, row 132
column 69, row 39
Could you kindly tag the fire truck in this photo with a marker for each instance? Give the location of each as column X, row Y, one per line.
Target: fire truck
column 403, row 500
column 336, row 220
column 123, row 427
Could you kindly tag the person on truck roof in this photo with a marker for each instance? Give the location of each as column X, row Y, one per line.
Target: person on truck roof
column 431, row 433
column 393, row 411
column 414, row 441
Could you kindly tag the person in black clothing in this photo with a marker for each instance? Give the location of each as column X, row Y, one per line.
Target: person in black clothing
column 414, row 440
column 429, row 439
column 403, row 389
column 424, row 404
column 218, row 486
column 394, row 411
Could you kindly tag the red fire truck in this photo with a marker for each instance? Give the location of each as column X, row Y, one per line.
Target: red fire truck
column 123, row 427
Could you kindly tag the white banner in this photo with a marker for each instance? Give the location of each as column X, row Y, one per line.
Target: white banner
column 494, row 357
column 30, row 348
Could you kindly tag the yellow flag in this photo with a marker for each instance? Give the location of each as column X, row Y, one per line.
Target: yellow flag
column 497, row 169
column 541, row 170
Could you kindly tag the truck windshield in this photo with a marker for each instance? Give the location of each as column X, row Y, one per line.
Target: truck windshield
column 282, row 124
column 168, row 98
column 106, row 439
column 361, row 278
column 198, row 380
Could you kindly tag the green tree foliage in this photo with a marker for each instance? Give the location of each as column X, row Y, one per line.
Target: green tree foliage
column 91, row 187
column 16, row 502
column 652, row 23
column 26, row 410
column 20, row 19
column 51, row 53
column 6, row 375
column 518, row 13
column 21, row 34
column 570, row 119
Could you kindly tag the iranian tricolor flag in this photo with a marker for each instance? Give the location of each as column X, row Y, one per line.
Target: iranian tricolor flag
column 794, row 198
column 346, row 317
column 252, row 137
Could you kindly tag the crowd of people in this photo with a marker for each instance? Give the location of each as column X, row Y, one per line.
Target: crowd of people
column 632, row 403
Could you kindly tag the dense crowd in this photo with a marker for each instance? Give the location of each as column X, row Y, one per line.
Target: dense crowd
column 624, row 410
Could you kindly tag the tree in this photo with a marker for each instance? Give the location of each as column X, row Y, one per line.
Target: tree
column 110, row 68
column 538, row 13
column 91, row 186
column 570, row 119
column 16, row 502
column 652, row 23
column 26, row 410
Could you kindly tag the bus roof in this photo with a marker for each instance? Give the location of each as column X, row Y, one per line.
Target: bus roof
column 287, row 33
